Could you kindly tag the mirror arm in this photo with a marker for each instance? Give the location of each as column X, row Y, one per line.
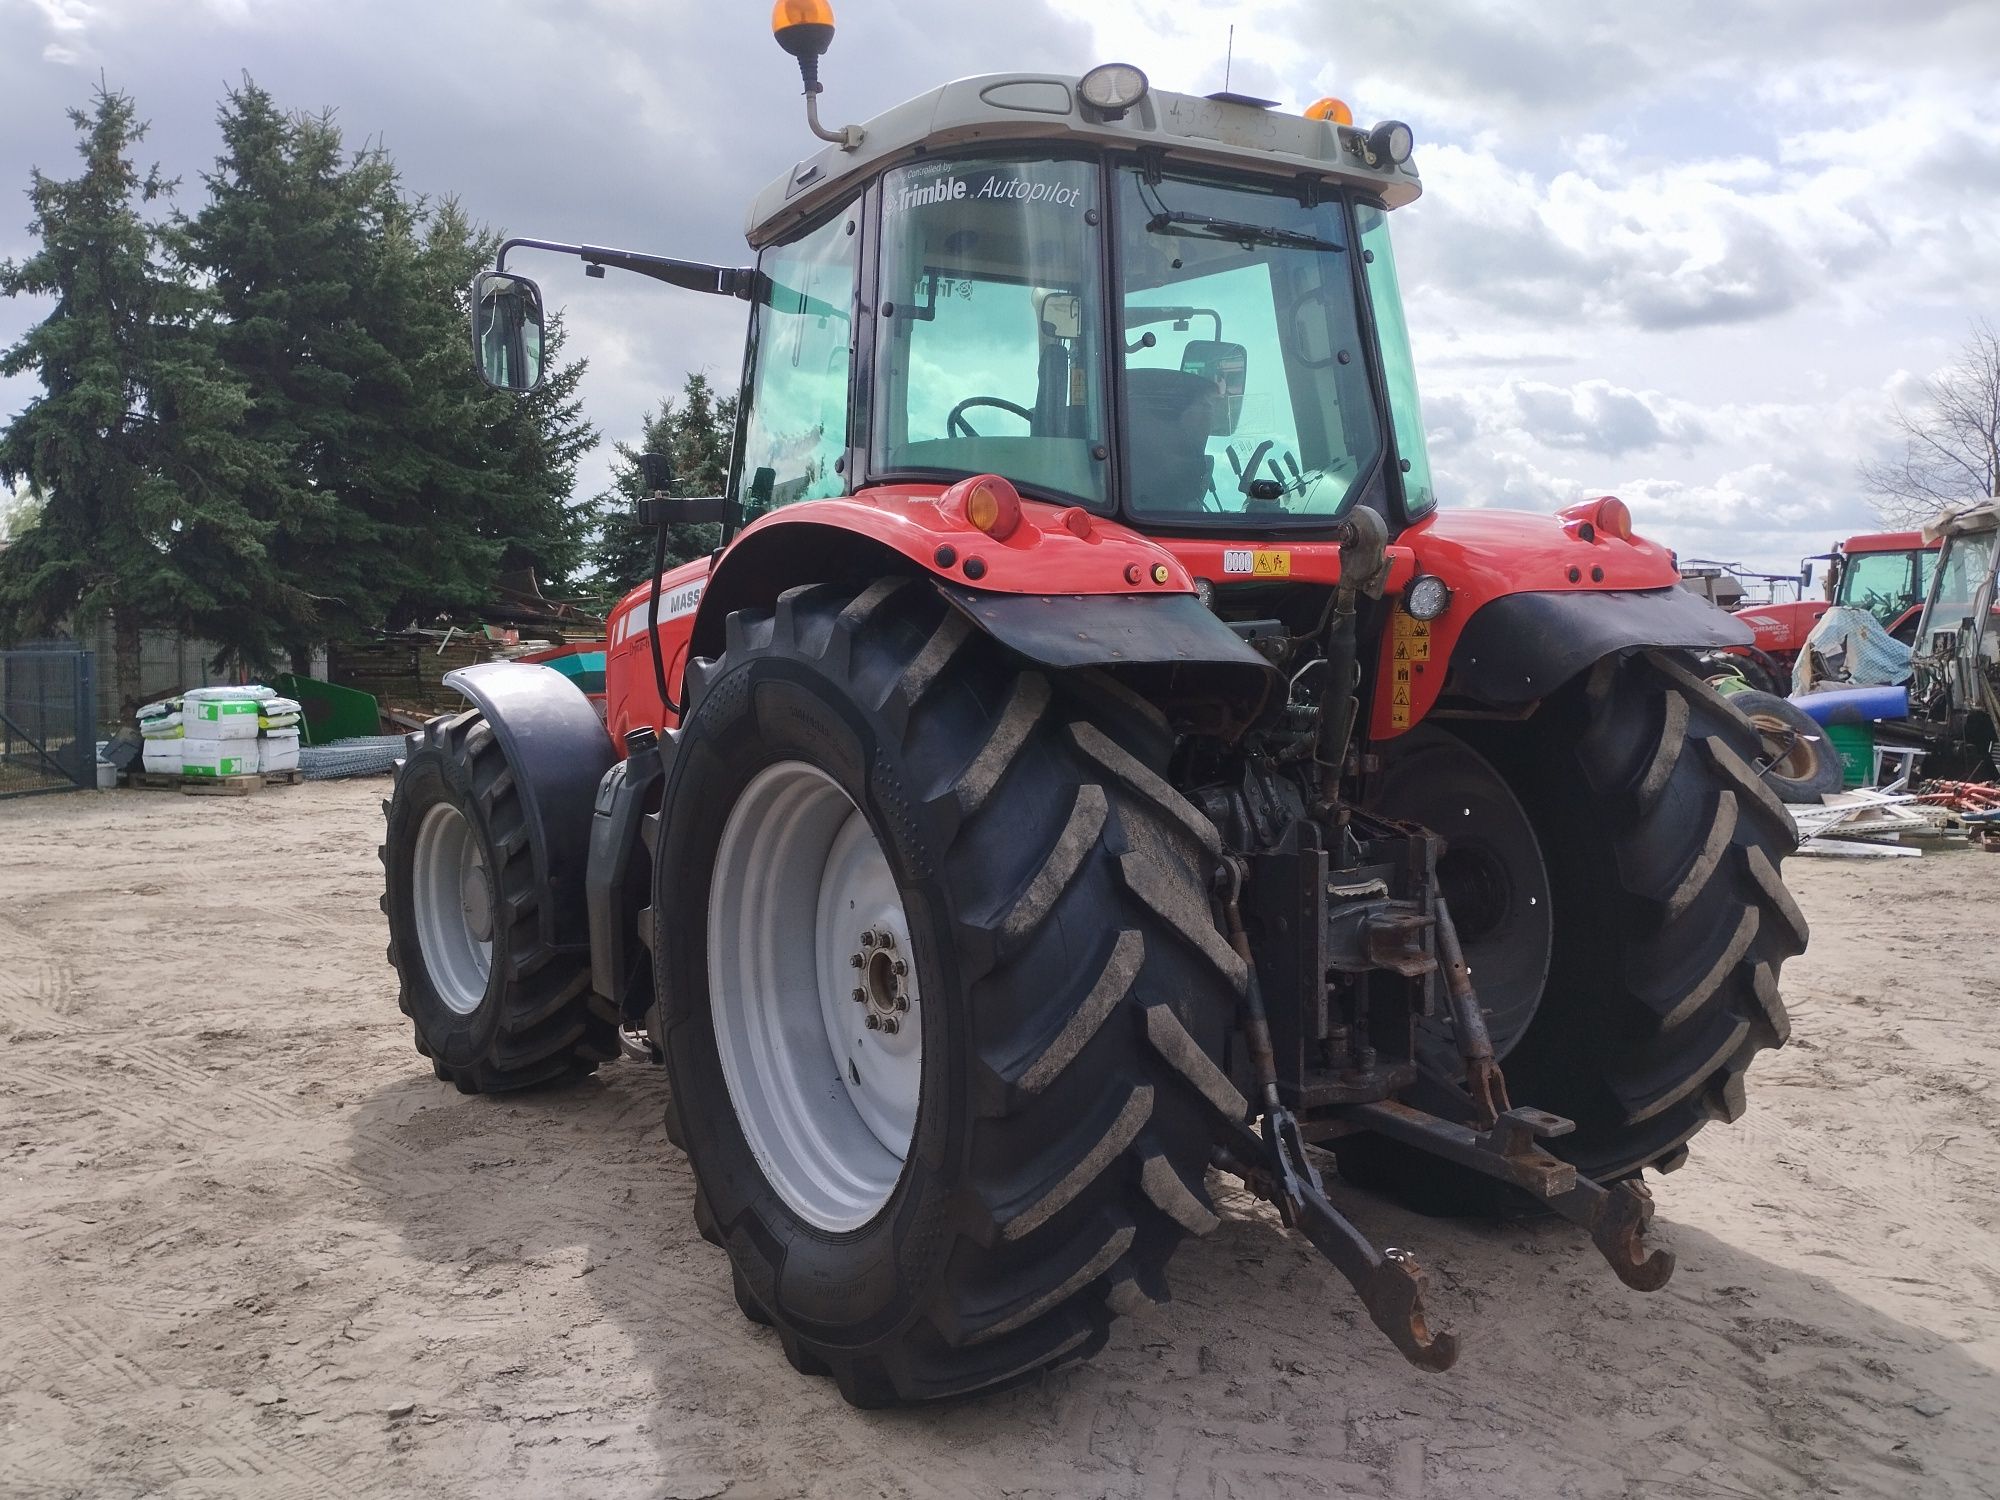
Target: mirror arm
column 693, row 276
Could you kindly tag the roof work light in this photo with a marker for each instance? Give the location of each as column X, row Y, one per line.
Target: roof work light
column 1390, row 144
column 1112, row 88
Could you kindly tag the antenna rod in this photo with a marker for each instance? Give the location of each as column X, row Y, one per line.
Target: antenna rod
column 1229, row 59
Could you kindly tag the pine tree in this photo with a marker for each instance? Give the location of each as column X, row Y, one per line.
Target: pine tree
column 405, row 487
column 134, row 450
column 697, row 436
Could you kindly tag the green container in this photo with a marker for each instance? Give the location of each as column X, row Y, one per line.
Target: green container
column 1855, row 745
column 330, row 713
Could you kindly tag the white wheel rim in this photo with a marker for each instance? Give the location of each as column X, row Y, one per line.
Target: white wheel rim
column 803, row 914
column 454, row 907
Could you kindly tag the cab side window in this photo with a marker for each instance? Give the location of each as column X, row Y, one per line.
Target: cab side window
column 801, row 349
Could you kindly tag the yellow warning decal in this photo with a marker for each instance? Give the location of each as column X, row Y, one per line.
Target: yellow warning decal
column 1407, row 648
column 1410, row 638
column 1272, row 564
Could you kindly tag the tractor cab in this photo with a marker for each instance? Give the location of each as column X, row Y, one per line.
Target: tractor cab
column 1187, row 346
column 1177, row 309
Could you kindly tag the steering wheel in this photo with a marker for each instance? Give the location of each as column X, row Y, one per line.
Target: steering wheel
column 956, row 423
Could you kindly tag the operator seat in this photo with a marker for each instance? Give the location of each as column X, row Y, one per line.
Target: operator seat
column 1169, row 417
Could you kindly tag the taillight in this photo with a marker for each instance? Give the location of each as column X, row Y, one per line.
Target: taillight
column 1614, row 518
column 988, row 503
column 1607, row 515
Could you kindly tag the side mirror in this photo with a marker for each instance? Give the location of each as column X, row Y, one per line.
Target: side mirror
column 507, row 330
column 1226, row 370
column 1062, row 315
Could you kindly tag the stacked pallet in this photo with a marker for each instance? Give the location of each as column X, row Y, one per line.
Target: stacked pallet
column 227, row 737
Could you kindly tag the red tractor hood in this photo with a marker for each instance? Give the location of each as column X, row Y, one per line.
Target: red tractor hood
column 1781, row 629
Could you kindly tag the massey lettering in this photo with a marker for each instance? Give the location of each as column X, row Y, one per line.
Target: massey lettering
column 673, row 604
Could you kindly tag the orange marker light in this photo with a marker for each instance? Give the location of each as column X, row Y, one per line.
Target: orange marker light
column 987, row 502
column 1160, row 574
column 1332, row 109
column 1614, row 518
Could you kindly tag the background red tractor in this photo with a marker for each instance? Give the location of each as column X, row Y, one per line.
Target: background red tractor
column 1091, row 760
column 1886, row 573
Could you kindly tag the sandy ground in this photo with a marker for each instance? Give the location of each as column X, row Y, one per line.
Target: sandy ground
column 250, row 1248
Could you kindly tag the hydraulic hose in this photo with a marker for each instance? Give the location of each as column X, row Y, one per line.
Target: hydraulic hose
column 653, row 623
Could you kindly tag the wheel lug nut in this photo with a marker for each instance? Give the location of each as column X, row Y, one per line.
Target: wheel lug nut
column 872, row 1021
column 861, row 996
column 902, row 1002
column 868, row 937
column 899, row 968
column 890, row 1026
column 856, row 960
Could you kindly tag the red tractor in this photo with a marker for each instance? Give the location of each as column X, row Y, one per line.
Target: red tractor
column 1090, row 761
column 1886, row 573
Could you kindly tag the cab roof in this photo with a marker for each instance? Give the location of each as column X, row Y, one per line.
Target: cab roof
column 1886, row 541
column 1966, row 519
column 1045, row 107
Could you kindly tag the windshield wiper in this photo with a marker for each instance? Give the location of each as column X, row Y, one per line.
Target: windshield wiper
column 1234, row 232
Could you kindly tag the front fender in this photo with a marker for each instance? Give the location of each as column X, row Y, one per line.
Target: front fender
column 557, row 752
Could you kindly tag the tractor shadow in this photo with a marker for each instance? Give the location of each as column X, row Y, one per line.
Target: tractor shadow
column 577, row 1334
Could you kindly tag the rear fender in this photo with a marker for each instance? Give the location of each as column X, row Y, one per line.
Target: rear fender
column 920, row 530
column 558, row 752
column 1059, row 599
column 1521, row 647
column 1534, row 600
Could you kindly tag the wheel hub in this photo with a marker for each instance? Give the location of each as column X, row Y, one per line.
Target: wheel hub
column 1492, row 874
column 882, row 972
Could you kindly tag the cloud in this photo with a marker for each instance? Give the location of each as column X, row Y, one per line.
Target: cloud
column 1542, row 65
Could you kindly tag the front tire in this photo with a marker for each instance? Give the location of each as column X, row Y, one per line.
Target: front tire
column 1071, row 990
column 493, row 1005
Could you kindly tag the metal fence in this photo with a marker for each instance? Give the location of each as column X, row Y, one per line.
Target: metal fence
column 48, row 718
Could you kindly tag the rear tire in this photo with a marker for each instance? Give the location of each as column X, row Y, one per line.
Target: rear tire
column 1072, row 985
column 1671, row 924
column 494, row 1006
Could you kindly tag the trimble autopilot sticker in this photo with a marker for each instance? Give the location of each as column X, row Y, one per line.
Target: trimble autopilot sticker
column 961, row 185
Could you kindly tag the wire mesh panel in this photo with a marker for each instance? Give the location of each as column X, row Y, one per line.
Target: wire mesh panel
column 48, row 712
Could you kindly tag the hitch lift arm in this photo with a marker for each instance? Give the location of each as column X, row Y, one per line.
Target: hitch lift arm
column 1506, row 1146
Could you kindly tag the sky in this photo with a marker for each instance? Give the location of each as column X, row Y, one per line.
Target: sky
column 1692, row 255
